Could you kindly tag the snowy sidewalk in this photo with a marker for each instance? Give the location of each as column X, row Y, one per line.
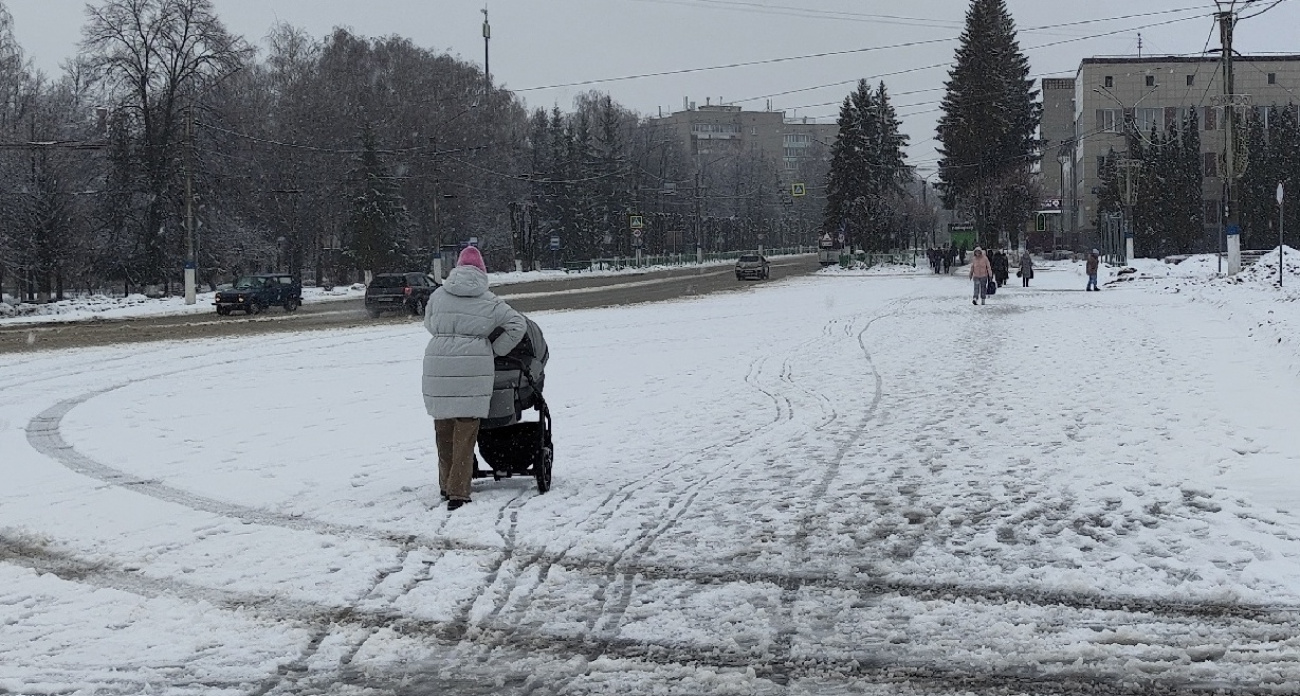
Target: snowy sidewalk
column 820, row 484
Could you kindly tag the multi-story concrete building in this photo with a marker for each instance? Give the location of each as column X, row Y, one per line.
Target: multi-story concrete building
column 712, row 131
column 1110, row 93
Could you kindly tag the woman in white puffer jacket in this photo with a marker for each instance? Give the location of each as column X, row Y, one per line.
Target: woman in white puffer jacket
column 461, row 317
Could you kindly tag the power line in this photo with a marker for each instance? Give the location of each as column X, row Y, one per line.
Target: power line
column 908, row 44
column 1048, row 45
column 948, row 63
column 743, row 64
column 1266, row 9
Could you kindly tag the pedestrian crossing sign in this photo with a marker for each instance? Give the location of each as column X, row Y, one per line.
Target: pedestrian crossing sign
column 636, row 222
column 798, row 190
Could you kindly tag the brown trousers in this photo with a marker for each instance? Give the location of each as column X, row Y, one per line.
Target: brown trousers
column 456, row 438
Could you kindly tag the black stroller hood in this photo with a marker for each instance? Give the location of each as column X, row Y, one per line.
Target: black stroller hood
column 531, row 351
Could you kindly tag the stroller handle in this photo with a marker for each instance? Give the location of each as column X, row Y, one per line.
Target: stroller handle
column 519, row 365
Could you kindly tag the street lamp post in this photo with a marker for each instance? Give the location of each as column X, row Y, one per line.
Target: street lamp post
column 1281, row 220
column 1062, row 158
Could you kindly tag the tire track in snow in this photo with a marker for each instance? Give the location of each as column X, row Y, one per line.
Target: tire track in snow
column 878, row 669
column 787, row 628
column 614, row 602
column 43, row 434
column 614, row 606
column 289, row 676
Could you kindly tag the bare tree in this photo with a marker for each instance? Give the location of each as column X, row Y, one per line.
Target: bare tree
column 158, row 57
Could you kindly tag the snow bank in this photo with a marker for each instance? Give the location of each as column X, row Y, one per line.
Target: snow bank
column 92, row 307
column 1197, row 267
column 1265, row 271
column 880, row 269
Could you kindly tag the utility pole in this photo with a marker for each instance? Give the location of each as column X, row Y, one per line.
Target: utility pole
column 1232, row 228
column 699, row 241
column 1130, row 168
column 190, row 261
column 487, row 73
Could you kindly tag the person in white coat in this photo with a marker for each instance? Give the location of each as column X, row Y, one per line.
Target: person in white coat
column 461, row 318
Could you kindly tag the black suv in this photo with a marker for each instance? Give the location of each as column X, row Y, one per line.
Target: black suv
column 407, row 292
column 254, row 293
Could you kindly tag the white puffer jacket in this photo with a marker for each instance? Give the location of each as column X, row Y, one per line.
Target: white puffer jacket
column 458, row 371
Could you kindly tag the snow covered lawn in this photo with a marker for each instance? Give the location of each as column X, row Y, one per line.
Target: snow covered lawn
column 835, row 484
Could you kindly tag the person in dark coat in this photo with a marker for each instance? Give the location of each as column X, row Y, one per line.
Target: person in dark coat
column 459, row 366
column 1026, row 271
column 998, row 261
column 1094, row 262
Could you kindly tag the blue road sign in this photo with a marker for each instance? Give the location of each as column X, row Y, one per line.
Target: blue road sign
column 1233, row 230
column 555, row 243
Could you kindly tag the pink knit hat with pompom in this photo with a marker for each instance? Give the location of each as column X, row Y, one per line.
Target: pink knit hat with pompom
column 471, row 257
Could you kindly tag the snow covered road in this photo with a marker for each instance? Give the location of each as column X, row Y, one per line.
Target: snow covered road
column 835, row 484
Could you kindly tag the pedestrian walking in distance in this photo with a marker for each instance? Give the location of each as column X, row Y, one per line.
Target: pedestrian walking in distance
column 980, row 272
column 1001, row 267
column 1094, row 261
column 1026, row 271
column 462, row 318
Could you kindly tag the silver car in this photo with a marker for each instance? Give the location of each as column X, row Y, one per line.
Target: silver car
column 753, row 266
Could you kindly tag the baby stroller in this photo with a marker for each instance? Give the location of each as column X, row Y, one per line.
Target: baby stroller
column 512, row 446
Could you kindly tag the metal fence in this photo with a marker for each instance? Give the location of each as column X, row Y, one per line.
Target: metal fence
column 649, row 261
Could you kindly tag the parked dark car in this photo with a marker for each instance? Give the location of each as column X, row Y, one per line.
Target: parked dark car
column 752, row 266
column 394, row 292
column 254, row 293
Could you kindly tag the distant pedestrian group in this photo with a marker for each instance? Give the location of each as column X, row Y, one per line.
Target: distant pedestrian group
column 942, row 260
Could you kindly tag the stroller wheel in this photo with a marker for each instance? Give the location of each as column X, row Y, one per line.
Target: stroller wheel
column 543, row 470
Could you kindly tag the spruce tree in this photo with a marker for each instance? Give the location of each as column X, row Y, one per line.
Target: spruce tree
column 890, row 173
column 868, row 170
column 1285, row 151
column 1189, row 214
column 987, row 133
column 378, row 220
column 846, row 184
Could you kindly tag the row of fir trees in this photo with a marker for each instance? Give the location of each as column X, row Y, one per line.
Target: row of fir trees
column 1169, row 211
column 987, row 137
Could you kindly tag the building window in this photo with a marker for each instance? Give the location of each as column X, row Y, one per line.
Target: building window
column 722, row 128
column 1210, row 162
column 797, row 139
column 1110, row 81
column 1146, row 119
column 1191, row 80
column 1259, row 114
column 1211, row 118
column 1151, row 80
column 1110, row 121
column 1174, row 116
column 1212, row 211
column 1272, row 78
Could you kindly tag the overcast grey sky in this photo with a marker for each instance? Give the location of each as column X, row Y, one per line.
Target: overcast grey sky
column 539, row 43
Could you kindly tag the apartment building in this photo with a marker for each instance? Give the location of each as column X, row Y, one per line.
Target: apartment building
column 1149, row 91
column 717, row 130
